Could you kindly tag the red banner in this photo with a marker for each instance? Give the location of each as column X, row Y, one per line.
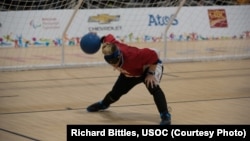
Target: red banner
column 217, row 18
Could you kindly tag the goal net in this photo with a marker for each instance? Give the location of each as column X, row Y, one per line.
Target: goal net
column 40, row 34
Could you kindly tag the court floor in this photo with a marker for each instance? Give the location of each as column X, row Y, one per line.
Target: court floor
column 38, row 104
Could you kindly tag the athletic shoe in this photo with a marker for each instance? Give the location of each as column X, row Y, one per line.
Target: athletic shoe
column 96, row 107
column 165, row 119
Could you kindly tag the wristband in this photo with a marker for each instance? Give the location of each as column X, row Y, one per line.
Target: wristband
column 151, row 72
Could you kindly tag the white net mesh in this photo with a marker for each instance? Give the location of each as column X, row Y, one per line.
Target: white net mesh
column 32, row 31
column 20, row 5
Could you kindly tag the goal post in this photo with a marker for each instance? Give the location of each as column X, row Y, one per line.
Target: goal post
column 182, row 2
column 67, row 27
column 41, row 34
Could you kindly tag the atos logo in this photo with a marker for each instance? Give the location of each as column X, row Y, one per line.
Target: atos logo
column 160, row 20
column 104, row 18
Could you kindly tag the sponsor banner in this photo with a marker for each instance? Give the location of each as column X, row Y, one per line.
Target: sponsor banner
column 217, row 18
column 46, row 27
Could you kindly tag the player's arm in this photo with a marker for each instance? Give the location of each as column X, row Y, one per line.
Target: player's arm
column 150, row 58
column 150, row 79
column 151, row 69
column 152, row 62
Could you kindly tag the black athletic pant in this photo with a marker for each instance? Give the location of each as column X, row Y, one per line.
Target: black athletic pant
column 124, row 84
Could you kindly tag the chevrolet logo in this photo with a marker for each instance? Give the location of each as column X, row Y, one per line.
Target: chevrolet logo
column 104, row 18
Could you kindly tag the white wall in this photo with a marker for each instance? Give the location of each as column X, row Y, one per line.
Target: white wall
column 49, row 25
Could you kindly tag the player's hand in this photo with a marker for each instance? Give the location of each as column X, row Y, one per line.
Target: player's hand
column 150, row 81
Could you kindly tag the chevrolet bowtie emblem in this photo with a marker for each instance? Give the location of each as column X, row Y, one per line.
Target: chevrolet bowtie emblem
column 104, row 18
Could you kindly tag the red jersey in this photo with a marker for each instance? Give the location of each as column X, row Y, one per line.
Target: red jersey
column 134, row 59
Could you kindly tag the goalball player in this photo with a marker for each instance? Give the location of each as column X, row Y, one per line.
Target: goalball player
column 136, row 66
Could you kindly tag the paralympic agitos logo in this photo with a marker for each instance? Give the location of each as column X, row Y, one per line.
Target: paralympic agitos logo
column 159, row 20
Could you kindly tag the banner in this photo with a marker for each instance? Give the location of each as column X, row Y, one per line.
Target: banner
column 217, row 18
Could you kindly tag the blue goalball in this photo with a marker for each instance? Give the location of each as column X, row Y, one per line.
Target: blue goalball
column 90, row 43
